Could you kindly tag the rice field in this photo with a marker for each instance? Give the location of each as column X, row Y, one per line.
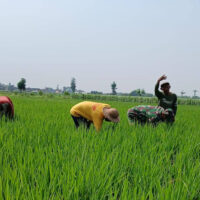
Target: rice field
column 43, row 156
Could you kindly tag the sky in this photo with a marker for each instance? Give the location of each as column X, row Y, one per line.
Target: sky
column 131, row 42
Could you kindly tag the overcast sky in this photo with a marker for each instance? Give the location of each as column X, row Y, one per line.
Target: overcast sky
column 131, row 42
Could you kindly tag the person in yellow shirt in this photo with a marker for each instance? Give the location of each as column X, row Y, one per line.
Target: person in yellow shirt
column 88, row 112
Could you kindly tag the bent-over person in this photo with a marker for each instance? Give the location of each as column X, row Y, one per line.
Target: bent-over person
column 146, row 114
column 6, row 107
column 88, row 112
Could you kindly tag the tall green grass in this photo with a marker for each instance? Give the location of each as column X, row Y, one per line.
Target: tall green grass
column 42, row 156
column 134, row 99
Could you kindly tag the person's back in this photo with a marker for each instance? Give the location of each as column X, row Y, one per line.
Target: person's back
column 6, row 107
column 88, row 110
column 93, row 112
column 143, row 114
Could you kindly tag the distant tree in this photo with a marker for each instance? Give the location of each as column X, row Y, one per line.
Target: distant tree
column 40, row 92
column 22, row 84
column 114, row 87
column 66, row 93
column 133, row 93
column 182, row 93
column 195, row 93
column 140, row 92
column 73, row 85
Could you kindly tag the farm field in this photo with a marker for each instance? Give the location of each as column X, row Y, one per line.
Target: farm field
column 43, row 156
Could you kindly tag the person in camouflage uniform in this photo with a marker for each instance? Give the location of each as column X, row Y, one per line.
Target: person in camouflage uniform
column 144, row 114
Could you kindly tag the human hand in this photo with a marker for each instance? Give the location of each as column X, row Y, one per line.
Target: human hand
column 163, row 77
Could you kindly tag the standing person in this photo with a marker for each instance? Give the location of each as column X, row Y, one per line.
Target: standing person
column 166, row 98
column 88, row 112
column 6, row 107
column 143, row 114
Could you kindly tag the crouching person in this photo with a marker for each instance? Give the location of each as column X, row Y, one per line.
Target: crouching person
column 150, row 115
column 88, row 112
column 6, row 107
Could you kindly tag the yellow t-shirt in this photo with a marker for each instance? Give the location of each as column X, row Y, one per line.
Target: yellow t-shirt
column 92, row 111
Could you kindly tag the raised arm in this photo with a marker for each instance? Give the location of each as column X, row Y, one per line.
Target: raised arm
column 157, row 92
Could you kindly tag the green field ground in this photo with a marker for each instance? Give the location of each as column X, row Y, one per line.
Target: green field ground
column 42, row 156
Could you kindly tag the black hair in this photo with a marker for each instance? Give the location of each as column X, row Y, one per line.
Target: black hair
column 165, row 84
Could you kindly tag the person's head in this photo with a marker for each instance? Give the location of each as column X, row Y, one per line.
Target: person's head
column 111, row 115
column 165, row 87
column 168, row 115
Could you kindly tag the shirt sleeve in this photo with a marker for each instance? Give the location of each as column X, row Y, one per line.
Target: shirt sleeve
column 74, row 113
column 98, row 123
column 154, row 120
column 157, row 92
column 131, row 115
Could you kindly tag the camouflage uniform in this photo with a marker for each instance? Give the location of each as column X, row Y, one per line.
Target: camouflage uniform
column 149, row 114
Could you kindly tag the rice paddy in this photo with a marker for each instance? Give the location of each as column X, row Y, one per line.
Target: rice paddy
column 43, row 156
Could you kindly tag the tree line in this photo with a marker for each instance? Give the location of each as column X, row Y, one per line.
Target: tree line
column 21, row 85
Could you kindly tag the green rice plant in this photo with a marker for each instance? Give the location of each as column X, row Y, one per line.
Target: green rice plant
column 136, row 99
column 43, row 156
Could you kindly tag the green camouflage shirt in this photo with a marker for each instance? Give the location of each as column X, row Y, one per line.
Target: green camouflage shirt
column 147, row 114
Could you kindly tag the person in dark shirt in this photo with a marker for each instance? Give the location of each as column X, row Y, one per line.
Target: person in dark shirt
column 166, row 98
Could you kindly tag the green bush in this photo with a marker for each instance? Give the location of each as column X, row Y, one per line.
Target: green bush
column 40, row 93
column 66, row 93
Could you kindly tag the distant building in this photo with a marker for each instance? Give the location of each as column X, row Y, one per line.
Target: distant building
column 96, row 92
column 57, row 91
column 35, row 90
column 2, row 86
column 80, row 92
column 48, row 90
column 67, row 89
column 8, row 87
column 11, row 87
